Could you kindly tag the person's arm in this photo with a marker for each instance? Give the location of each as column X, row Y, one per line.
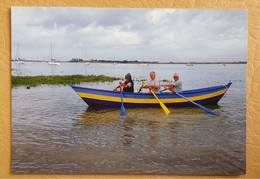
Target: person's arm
column 168, row 85
column 124, row 85
column 145, row 86
column 171, row 89
column 154, row 86
column 151, row 86
column 119, row 86
column 116, row 88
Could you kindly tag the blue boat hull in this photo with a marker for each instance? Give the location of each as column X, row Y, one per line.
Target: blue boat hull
column 97, row 97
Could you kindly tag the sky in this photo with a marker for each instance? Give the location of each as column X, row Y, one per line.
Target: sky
column 162, row 35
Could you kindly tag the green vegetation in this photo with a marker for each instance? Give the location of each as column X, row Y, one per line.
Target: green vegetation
column 166, row 81
column 141, row 80
column 58, row 80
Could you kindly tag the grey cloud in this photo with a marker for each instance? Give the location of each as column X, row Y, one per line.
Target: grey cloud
column 182, row 33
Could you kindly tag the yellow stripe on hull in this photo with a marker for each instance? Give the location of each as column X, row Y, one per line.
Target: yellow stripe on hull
column 149, row 101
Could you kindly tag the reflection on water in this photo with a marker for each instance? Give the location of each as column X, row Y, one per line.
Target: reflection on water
column 54, row 132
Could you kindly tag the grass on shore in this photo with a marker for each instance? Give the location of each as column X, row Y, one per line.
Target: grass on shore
column 58, row 80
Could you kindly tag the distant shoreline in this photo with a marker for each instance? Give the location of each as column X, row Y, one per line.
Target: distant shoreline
column 140, row 63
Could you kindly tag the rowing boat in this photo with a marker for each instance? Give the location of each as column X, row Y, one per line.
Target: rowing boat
column 98, row 97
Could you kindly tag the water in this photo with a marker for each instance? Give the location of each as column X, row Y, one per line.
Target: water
column 54, row 132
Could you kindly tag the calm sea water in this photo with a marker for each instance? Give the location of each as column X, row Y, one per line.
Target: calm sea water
column 54, row 132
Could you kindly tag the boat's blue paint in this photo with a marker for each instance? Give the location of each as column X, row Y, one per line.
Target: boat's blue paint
column 188, row 93
column 94, row 102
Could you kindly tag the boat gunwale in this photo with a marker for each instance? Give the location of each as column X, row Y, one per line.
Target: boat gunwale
column 131, row 94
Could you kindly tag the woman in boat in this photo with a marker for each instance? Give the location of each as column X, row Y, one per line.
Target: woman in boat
column 128, row 85
column 154, row 84
column 176, row 86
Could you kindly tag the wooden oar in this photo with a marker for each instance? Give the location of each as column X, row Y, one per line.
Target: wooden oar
column 200, row 106
column 165, row 109
column 122, row 104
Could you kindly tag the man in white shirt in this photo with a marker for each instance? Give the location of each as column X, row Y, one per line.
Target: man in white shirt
column 154, row 84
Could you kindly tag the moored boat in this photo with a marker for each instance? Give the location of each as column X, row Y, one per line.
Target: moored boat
column 98, row 97
column 19, row 62
column 53, row 62
column 189, row 64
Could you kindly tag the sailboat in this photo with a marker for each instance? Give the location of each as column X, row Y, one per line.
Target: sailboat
column 189, row 64
column 18, row 60
column 53, row 61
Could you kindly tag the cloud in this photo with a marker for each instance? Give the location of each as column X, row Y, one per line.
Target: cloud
column 131, row 34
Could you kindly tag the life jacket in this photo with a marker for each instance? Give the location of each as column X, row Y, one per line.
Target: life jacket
column 129, row 89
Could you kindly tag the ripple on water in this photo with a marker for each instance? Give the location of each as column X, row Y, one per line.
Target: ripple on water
column 56, row 134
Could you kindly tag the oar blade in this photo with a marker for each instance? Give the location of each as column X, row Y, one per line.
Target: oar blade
column 165, row 109
column 122, row 110
column 203, row 108
column 122, row 103
column 207, row 110
column 200, row 106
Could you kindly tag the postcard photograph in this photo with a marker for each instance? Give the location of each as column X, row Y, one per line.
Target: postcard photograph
column 128, row 91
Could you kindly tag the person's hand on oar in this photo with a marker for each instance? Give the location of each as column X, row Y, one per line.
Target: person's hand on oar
column 168, row 87
column 165, row 109
column 120, row 86
column 164, row 90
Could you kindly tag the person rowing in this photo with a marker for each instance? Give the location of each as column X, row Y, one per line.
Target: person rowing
column 154, row 84
column 176, row 86
column 128, row 85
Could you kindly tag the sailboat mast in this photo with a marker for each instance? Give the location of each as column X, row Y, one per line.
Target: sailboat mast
column 85, row 55
column 17, row 56
column 51, row 52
